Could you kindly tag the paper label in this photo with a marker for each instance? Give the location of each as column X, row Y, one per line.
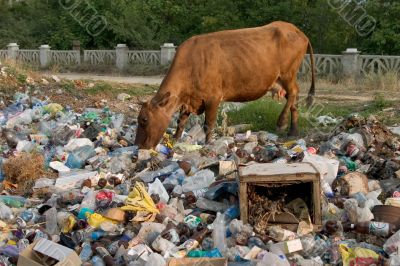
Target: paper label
column 379, row 229
column 293, row 246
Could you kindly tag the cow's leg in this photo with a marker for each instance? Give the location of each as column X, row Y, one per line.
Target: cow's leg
column 284, row 116
column 211, row 109
column 183, row 117
column 294, row 127
column 291, row 105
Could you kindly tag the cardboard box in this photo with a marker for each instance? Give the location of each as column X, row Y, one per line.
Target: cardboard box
column 43, row 251
column 299, row 179
column 198, row 262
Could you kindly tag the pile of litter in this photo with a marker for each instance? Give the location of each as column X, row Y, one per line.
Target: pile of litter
column 75, row 183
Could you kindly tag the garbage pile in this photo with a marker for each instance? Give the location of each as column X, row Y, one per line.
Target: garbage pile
column 74, row 183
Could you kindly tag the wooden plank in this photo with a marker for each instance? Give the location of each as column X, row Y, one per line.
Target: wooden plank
column 244, row 203
column 272, row 169
column 279, row 178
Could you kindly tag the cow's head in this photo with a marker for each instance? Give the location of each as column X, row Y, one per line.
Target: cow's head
column 153, row 120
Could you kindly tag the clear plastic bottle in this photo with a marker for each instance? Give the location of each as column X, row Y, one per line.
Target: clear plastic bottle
column 51, row 221
column 86, row 252
column 219, row 233
column 176, row 178
column 77, row 159
column 201, row 179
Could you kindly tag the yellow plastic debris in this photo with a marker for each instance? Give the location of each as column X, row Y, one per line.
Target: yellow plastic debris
column 53, row 108
column 140, row 200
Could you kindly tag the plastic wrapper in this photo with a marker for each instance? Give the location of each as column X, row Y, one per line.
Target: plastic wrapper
column 358, row 256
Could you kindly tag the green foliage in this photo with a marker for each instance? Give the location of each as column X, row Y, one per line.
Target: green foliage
column 145, row 24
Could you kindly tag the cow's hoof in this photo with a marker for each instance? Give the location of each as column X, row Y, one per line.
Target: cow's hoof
column 293, row 133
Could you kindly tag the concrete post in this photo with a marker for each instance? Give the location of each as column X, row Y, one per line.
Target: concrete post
column 44, row 55
column 168, row 51
column 350, row 63
column 122, row 56
column 12, row 53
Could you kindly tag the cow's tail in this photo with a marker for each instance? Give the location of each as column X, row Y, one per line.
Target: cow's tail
column 311, row 93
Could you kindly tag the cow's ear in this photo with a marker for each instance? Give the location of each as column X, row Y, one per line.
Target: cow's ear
column 161, row 100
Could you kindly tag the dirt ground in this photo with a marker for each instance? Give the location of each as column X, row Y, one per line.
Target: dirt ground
column 346, row 91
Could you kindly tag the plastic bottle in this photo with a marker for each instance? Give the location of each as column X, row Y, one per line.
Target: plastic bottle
column 103, row 253
column 326, row 188
column 1, row 170
column 231, row 213
column 219, row 233
column 131, row 150
column 176, row 178
column 86, row 252
column 192, row 243
column 149, row 176
column 210, row 205
column 77, row 159
column 214, row 253
column 199, row 180
column 374, row 228
column 97, row 261
column 51, row 221
column 13, row 201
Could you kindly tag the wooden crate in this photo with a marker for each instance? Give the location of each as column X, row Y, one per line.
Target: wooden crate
column 272, row 176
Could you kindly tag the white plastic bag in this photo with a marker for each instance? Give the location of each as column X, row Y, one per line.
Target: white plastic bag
column 157, row 188
column 5, row 212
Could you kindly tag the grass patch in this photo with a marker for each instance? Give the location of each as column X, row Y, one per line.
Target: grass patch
column 263, row 114
column 115, row 89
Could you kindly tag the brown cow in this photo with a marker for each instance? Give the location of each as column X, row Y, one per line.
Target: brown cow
column 234, row 65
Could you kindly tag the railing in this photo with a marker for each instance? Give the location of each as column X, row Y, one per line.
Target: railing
column 325, row 65
column 378, row 64
column 100, row 57
column 3, row 54
column 144, row 57
column 31, row 57
column 349, row 64
column 65, row 57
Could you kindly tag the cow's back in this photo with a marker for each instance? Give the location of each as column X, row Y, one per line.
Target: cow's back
column 238, row 65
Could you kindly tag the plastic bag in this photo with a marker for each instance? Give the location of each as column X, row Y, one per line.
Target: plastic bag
column 89, row 201
column 140, row 200
column 5, row 212
column 157, row 188
column 358, row 256
column 273, row 259
column 392, row 243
